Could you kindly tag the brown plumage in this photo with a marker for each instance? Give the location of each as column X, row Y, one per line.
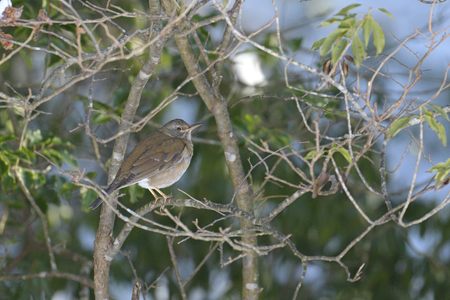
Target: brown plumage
column 158, row 161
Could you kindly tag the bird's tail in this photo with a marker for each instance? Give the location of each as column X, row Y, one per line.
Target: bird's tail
column 96, row 203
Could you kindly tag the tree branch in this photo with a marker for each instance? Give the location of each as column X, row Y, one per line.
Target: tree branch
column 102, row 260
column 218, row 107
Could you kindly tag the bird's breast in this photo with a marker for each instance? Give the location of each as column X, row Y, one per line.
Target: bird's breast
column 168, row 176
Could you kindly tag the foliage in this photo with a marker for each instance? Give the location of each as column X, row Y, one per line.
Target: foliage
column 348, row 33
column 355, row 171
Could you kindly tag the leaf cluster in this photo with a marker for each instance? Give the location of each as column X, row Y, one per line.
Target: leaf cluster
column 347, row 34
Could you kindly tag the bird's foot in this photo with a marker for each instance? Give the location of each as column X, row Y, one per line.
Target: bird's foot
column 165, row 200
column 161, row 202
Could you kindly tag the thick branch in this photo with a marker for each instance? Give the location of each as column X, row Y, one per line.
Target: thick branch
column 102, row 260
column 218, row 107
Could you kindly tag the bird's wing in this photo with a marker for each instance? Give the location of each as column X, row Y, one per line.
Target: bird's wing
column 151, row 158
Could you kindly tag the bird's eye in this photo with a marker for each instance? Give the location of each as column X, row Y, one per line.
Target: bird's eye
column 179, row 128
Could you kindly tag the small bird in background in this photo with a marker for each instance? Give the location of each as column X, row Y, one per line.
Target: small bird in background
column 156, row 162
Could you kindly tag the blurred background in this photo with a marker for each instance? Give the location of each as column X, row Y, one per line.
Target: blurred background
column 411, row 263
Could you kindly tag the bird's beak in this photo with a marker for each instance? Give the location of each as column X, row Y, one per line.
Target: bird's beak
column 195, row 126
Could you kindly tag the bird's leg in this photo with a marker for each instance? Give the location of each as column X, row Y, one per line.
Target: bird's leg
column 164, row 197
column 154, row 194
column 162, row 194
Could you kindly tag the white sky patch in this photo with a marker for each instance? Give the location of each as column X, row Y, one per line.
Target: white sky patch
column 424, row 243
column 86, row 237
column 183, row 108
column 248, row 69
column 4, row 4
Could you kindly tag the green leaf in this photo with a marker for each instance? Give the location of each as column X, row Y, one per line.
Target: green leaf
column 101, row 119
column 367, row 29
column 26, row 155
column 68, row 158
column 348, row 23
column 53, row 155
column 437, row 127
column 329, row 41
column 101, row 106
column 378, row 36
column 34, row 136
column 317, row 44
column 252, row 123
column 397, row 126
column 87, row 196
column 53, row 60
column 296, row 43
column 385, row 11
column 338, row 49
column 132, row 192
column 345, row 10
column 166, row 61
column 329, row 22
column 4, row 167
column 6, row 138
column 358, row 50
column 344, row 153
column 281, row 139
column 440, row 111
column 442, row 171
column 311, row 155
column 8, row 158
column 271, row 41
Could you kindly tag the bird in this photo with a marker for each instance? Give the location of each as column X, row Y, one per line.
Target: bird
column 158, row 161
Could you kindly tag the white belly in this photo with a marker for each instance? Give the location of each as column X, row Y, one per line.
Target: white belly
column 166, row 178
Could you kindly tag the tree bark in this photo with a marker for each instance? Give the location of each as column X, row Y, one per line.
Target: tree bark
column 102, row 261
column 244, row 195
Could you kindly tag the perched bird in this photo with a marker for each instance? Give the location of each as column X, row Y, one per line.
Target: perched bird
column 158, row 161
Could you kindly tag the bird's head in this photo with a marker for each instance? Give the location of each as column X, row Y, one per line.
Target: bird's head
column 179, row 128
